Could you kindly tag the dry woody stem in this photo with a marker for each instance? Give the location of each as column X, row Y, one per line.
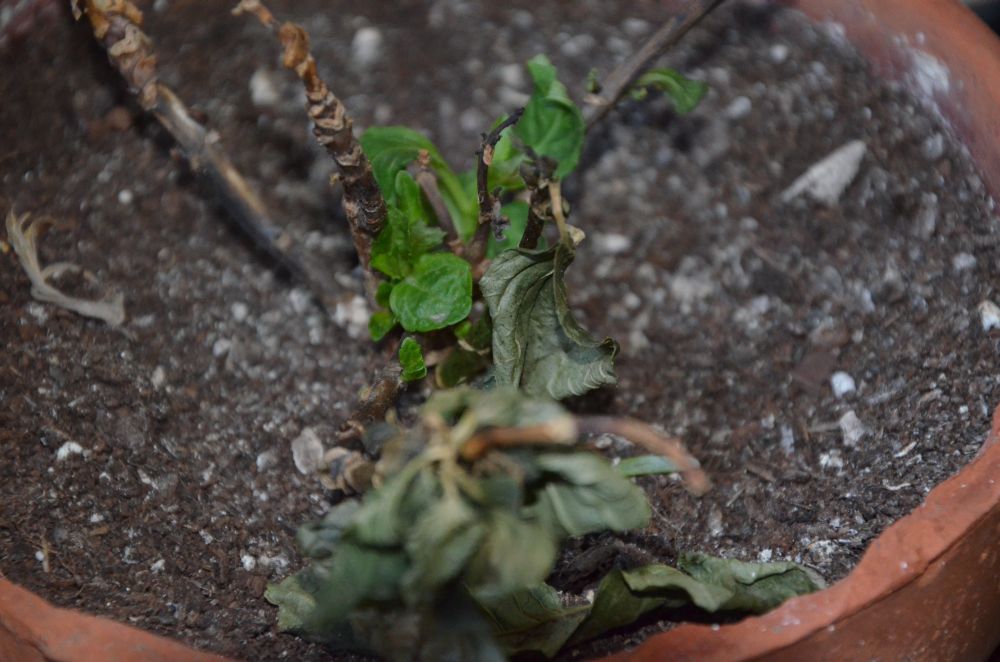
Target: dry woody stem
column 489, row 205
column 618, row 83
column 117, row 24
column 363, row 202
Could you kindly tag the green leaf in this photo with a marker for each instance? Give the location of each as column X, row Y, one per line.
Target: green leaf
column 532, row 619
column 537, row 343
column 379, row 522
column 442, row 541
column 502, row 407
column 380, row 324
column 411, row 357
column 318, row 540
column 459, row 367
column 438, row 293
column 615, row 605
column 516, row 553
column 391, row 148
column 591, row 496
column 646, row 465
column 294, row 602
column 401, row 244
column 411, row 200
column 685, row 94
column 552, row 125
column 382, row 293
column 755, row 587
column 517, row 213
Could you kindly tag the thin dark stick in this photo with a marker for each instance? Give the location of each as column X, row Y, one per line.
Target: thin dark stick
column 117, row 24
column 617, row 84
column 362, row 200
column 489, row 207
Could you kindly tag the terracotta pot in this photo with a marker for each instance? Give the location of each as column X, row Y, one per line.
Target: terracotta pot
column 927, row 588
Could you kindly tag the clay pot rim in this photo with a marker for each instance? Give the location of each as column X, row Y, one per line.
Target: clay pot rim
column 33, row 629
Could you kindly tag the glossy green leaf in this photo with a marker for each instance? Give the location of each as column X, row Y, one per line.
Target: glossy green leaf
column 411, row 358
column 382, row 293
column 590, row 496
column 401, row 244
column 380, row 324
column 552, row 125
column 685, row 94
column 537, row 343
column 438, row 293
column 646, row 465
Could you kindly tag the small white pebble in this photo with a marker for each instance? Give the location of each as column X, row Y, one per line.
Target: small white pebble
column 40, row 556
column 764, row 556
column 158, row 566
column 249, row 562
column 990, row 314
column 96, row 518
column 842, row 384
column 787, row 439
column 159, row 377
column 738, row 108
column 67, row 449
column 851, row 428
column 612, row 243
column 307, row 451
column 831, row 460
column 779, row 53
column 221, row 347
column 963, row 262
column 125, row 196
column 263, row 91
column 366, row 47
column 240, row 311
column 266, row 460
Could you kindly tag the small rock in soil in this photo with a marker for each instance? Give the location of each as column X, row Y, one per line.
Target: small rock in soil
column 842, row 384
column 990, row 314
column 851, row 428
column 366, row 47
column 963, row 262
column 307, row 451
column 827, row 179
column 68, row 449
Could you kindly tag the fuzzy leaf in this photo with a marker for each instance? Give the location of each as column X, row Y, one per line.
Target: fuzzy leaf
column 645, row 465
column 590, row 496
column 537, row 343
column 532, row 619
column 411, row 358
column 552, row 125
column 685, row 93
column 438, row 293
column 401, row 244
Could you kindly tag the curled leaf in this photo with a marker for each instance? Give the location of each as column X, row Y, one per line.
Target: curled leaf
column 23, row 235
column 537, row 343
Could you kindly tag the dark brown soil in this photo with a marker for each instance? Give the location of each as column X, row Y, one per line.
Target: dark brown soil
column 733, row 308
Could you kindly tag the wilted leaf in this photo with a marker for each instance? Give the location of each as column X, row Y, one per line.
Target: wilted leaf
column 646, row 465
column 460, row 366
column 755, row 587
column 441, row 542
column 615, row 606
column 402, row 242
column 591, row 496
column 537, row 343
column 293, row 601
column 532, row 619
column 318, row 540
column 516, row 553
column 552, row 125
column 683, row 92
column 379, row 522
column 438, row 293
column 411, row 358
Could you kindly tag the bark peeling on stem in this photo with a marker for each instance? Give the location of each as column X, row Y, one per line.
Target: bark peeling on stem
column 117, row 24
column 489, row 206
column 363, row 203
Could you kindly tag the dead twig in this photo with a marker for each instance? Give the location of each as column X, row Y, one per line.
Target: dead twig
column 489, row 206
column 117, row 24
column 618, row 83
column 653, row 441
column 363, row 202
column 375, row 402
column 23, row 234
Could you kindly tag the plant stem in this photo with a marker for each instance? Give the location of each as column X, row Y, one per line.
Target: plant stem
column 618, row 83
column 489, row 206
column 117, row 24
column 555, row 195
column 363, row 202
column 649, row 438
